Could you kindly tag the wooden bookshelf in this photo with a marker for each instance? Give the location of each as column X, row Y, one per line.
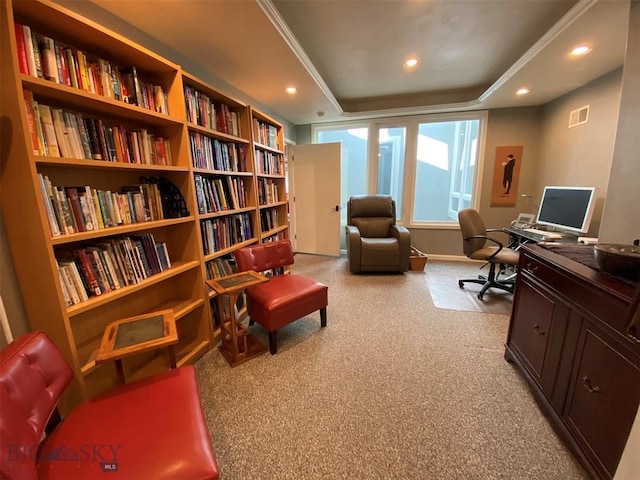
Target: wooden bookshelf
column 146, row 137
column 270, row 168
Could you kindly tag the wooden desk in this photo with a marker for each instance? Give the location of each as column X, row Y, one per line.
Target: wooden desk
column 138, row 334
column 237, row 344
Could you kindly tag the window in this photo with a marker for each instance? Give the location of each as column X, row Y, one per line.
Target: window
column 428, row 164
column 445, row 169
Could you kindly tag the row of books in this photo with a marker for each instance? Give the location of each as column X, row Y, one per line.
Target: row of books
column 106, row 266
column 43, row 57
column 265, row 133
column 269, row 219
column 212, row 154
column 203, row 111
column 215, row 194
column 220, row 233
column 220, row 267
column 267, row 191
column 269, row 163
column 62, row 133
column 75, row 209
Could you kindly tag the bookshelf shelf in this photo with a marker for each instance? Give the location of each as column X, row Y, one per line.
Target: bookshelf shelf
column 121, row 230
column 90, row 102
column 103, row 164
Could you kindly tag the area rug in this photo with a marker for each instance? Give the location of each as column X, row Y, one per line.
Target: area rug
column 442, row 279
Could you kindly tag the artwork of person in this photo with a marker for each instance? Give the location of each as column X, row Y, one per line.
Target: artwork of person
column 507, row 176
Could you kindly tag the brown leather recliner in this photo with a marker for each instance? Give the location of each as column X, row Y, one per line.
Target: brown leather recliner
column 374, row 242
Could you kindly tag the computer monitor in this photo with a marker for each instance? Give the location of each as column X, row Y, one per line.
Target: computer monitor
column 567, row 208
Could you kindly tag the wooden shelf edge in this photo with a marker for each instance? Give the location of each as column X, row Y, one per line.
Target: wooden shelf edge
column 95, row 302
column 120, row 230
column 194, row 354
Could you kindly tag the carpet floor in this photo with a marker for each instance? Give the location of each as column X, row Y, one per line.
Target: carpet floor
column 392, row 388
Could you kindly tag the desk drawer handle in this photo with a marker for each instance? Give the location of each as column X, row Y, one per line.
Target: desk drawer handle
column 586, row 382
column 531, row 268
column 537, row 331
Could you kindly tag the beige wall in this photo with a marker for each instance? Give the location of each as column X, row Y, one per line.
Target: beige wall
column 10, row 292
column 582, row 155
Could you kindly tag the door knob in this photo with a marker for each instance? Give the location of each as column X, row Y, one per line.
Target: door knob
column 337, row 208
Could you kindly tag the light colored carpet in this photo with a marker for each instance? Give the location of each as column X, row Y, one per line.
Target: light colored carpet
column 442, row 280
column 392, row 388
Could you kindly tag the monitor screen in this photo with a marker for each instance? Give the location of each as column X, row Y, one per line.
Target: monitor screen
column 567, row 208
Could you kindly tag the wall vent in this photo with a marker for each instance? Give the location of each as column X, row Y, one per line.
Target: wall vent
column 579, row 116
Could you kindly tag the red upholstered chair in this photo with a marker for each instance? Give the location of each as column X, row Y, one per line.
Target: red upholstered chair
column 150, row 429
column 284, row 298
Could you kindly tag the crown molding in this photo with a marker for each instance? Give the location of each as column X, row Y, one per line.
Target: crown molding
column 283, row 29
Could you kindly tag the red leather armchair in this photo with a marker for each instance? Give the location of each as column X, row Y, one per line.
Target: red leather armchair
column 284, row 298
column 150, row 429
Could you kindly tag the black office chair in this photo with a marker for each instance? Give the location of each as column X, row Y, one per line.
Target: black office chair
column 474, row 240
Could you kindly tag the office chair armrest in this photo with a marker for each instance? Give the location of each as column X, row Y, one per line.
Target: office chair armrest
column 499, row 243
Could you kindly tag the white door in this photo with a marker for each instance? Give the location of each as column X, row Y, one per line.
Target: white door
column 315, row 202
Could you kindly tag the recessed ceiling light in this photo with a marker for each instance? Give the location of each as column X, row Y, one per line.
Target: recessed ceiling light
column 291, row 90
column 411, row 63
column 523, row 91
column 580, row 50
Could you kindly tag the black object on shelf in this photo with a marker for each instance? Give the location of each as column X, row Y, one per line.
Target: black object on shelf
column 173, row 204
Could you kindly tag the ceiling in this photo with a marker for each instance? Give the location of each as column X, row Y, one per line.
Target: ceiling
column 346, row 57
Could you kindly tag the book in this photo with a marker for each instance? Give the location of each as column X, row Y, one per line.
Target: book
column 28, row 103
column 76, row 208
column 72, row 67
column 23, row 62
column 94, row 143
column 71, row 269
column 42, row 142
column 61, row 133
column 37, row 54
column 49, row 131
column 54, row 228
column 49, row 63
column 133, row 85
column 65, row 290
column 73, row 134
column 68, row 284
column 84, row 137
column 31, row 56
column 68, row 219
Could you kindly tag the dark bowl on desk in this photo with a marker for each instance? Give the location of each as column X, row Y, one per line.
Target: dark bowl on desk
column 619, row 259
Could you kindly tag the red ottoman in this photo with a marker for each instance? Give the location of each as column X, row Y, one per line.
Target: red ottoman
column 284, row 298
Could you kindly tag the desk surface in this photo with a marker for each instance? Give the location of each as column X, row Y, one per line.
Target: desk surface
column 536, row 238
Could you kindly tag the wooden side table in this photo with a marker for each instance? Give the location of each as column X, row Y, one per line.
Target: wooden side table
column 138, row 334
column 237, row 344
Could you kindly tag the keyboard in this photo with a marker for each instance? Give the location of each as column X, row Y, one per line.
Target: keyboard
column 543, row 233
